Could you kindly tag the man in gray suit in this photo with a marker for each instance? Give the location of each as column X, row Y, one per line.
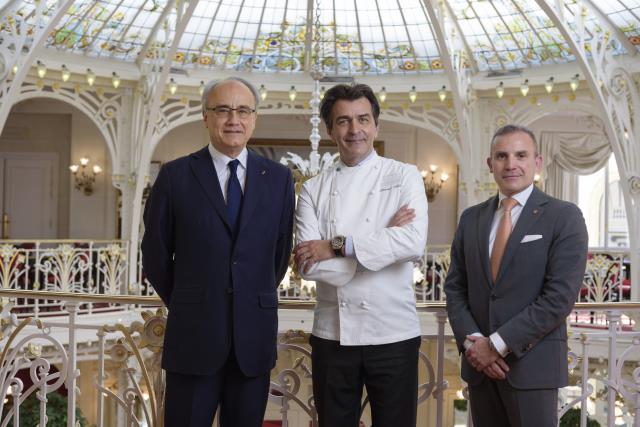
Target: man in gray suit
column 517, row 262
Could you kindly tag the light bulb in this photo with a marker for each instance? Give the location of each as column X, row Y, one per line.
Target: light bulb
column 263, row 92
column 41, row 69
column 84, row 161
column 65, row 73
column 524, row 87
column 201, row 88
column 382, row 95
column 15, row 69
column 292, row 93
column 444, row 176
column 74, row 168
column 548, row 85
column 322, row 91
column 574, row 83
column 413, row 95
column 442, row 94
column 91, row 77
column 97, row 169
column 500, row 90
column 173, row 86
column 433, row 168
column 115, row 80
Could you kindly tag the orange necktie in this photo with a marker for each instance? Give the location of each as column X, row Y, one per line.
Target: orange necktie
column 502, row 236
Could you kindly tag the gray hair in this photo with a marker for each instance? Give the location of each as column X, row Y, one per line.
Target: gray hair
column 214, row 83
column 509, row 129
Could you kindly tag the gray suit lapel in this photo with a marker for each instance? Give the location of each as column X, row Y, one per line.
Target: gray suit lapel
column 531, row 212
column 485, row 218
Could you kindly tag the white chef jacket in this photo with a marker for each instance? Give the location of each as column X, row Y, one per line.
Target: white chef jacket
column 368, row 299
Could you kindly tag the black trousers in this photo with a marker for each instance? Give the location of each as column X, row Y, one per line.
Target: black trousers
column 192, row 400
column 388, row 371
column 496, row 403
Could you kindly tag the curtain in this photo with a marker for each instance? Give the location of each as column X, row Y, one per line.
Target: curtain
column 565, row 155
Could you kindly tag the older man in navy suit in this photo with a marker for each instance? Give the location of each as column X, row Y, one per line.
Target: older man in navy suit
column 517, row 263
column 218, row 228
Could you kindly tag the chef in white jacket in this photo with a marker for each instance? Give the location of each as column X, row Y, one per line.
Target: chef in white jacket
column 359, row 227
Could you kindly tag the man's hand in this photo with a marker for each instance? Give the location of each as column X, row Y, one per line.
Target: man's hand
column 403, row 216
column 497, row 370
column 480, row 355
column 308, row 253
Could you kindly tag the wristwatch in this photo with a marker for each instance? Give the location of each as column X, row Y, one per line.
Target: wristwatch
column 337, row 244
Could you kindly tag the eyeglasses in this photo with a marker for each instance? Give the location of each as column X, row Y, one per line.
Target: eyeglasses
column 243, row 112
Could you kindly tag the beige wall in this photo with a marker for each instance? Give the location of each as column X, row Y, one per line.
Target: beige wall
column 54, row 126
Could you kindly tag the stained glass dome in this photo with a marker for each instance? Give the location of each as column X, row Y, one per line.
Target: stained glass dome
column 356, row 37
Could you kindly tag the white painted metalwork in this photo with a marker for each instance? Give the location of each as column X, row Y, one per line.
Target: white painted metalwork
column 135, row 381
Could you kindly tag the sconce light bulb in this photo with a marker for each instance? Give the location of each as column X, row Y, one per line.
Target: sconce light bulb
column 293, row 93
column 442, row 94
column 74, row 169
column 91, row 77
column 524, row 87
column 382, row 95
column 500, row 90
column 65, row 73
column 97, row 169
column 433, row 168
column 322, row 91
column 84, row 161
column 574, row 83
column 413, row 95
column 444, row 176
column 115, row 80
column 41, row 69
column 548, row 85
column 201, row 88
column 263, row 92
column 173, row 86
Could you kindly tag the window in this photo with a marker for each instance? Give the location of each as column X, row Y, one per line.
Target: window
column 602, row 202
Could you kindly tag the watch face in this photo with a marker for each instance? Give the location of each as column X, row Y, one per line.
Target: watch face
column 337, row 242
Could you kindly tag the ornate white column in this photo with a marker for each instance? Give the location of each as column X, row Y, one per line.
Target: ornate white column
column 146, row 107
column 617, row 96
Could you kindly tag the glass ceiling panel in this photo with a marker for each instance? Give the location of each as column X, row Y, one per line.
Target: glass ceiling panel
column 357, row 36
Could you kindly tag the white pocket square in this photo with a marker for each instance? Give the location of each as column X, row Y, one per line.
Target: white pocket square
column 531, row 238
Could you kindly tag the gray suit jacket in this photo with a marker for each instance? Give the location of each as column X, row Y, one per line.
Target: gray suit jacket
column 534, row 292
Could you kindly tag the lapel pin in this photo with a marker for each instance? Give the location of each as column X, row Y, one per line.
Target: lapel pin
column 264, row 172
column 535, row 211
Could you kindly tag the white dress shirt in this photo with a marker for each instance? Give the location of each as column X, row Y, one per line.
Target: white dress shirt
column 521, row 198
column 369, row 298
column 220, row 163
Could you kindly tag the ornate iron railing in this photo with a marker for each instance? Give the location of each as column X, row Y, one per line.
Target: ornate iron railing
column 128, row 373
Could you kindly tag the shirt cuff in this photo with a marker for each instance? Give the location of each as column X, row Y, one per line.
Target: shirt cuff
column 499, row 344
column 349, row 251
column 468, row 343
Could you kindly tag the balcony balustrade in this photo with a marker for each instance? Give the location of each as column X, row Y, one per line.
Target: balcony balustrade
column 42, row 356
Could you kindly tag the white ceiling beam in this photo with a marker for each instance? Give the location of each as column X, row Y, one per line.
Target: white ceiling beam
column 152, row 35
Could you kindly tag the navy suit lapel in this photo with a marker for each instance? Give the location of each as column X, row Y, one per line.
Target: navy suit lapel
column 254, row 188
column 202, row 167
column 485, row 218
column 531, row 212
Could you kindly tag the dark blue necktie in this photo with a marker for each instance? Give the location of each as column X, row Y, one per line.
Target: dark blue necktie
column 234, row 194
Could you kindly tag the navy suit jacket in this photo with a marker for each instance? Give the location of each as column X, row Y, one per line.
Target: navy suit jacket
column 534, row 292
column 220, row 289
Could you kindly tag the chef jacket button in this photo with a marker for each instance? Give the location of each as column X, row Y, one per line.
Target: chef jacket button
column 335, row 193
column 363, row 304
column 333, row 221
column 368, row 219
column 343, row 304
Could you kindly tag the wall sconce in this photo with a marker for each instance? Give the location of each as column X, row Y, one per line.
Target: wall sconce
column 382, row 95
column 65, row 73
column 500, row 90
column 84, row 181
column 263, row 92
column 431, row 186
column 413, row 95
column 91, row 77
column 293, row 93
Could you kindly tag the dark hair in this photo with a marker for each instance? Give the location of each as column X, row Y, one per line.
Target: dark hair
column 347, row 93
column 509, row 129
